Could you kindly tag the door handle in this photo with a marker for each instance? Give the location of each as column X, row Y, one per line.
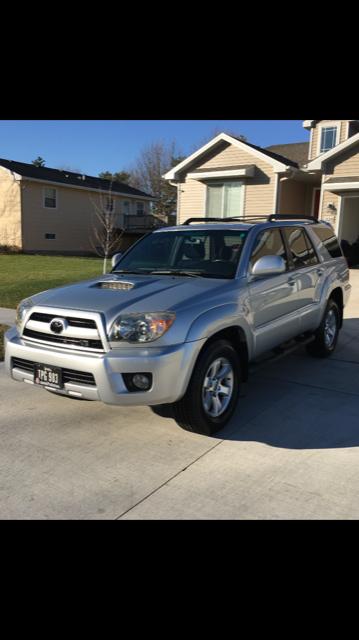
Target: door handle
column 291, row 281
column 320, row 272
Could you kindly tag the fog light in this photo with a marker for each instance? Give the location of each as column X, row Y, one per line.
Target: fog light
column 138, row 381
column 141, row 381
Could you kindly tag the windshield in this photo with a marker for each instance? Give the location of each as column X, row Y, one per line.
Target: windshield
column 210, row 253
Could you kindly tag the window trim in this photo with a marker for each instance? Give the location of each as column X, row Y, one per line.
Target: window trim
column 144, row 209
column 44, row 198
column 328, row 125
column 292, row 266
column 223, row 184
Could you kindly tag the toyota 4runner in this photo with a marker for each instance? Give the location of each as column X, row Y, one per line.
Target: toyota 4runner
column 183, row 313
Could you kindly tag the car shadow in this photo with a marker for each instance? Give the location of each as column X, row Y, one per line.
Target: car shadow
column 300, row 402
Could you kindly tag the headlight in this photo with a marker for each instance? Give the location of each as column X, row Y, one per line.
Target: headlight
column 141, row 327
column 21, row 309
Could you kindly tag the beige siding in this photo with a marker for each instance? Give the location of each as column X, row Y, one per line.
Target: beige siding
column 315, row 135
column 324, row 214
column 10, row 209
column 72, row 221
column 295, row 197
column 259, row 190
column 192, row 200
column 344, row 165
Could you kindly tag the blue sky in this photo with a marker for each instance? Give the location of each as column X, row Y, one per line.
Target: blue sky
column 91, row 146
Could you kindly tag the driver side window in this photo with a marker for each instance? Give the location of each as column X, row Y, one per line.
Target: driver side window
column 268, row 243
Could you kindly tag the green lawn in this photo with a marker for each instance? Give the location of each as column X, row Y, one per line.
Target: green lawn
column 22, row 276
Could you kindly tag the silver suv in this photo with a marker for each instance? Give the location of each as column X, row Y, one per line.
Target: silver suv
column 183, row 313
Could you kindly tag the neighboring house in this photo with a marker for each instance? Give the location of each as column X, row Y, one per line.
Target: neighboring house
column 230, row 177
column 54, row 210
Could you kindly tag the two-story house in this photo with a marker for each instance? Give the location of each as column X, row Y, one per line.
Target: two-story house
column 56, row 211
column 231, row 177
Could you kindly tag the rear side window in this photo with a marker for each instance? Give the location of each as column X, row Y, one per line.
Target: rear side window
column 268, row 243
column 301, row 251
column 328, row 241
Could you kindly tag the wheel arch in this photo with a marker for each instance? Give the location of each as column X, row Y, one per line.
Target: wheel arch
column 338, row 297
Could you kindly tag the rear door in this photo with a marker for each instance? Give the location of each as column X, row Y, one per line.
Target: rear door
column 272, row 298
column 305, row 275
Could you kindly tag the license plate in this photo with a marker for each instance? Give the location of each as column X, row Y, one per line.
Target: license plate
column 48, row 376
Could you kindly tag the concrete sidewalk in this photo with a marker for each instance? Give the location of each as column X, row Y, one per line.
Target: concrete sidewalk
column 291, row 451
column 7, row 316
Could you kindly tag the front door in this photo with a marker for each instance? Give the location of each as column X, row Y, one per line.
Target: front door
column 272, row 298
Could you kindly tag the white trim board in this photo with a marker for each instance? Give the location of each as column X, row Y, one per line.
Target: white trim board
column 224, row 137
column 229, row 173
column 317, row 163
column 340, row 186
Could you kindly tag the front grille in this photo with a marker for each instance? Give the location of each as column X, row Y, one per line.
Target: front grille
column 83, row 323
column 48, row 337
column 68, row 375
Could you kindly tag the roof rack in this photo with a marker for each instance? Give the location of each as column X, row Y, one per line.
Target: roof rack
column 290, row 216
column 265, row 218
column 228, row 219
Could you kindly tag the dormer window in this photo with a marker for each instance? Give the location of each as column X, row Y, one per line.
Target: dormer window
column 329, row 137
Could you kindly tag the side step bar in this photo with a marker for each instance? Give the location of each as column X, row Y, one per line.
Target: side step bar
column 280, row 352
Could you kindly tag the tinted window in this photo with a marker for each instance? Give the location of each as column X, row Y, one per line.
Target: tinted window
column 301, row 251
column 328, row 240
column 268, row 243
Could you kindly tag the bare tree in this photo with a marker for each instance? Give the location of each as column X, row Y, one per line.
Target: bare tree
column 147, row 174
column 106, row 234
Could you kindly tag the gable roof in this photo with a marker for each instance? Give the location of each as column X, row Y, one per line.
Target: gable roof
column 70, row 178
column 295, row 151
column 279, row 162
column 317, row 163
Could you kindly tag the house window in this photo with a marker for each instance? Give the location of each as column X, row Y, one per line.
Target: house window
column 50, row 236
column 225, row 199
column 50, row 198
column 140, row 208
column 328, row 138
column 109, row 204
column 126, row 207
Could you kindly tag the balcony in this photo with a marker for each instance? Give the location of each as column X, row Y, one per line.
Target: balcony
column 139, row 223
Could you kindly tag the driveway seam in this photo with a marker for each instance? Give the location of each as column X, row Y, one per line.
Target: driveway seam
column 225, row 439
column 168, row 480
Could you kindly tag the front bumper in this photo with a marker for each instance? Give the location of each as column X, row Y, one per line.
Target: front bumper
column 171, row 368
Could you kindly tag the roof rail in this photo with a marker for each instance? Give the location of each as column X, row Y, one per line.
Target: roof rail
column 264, row 217
column 290, row 216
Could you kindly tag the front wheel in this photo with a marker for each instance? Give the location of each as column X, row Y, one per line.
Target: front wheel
column 213, row 390
column 326, row 336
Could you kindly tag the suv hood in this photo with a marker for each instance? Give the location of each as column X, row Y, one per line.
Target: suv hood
column 147, row 293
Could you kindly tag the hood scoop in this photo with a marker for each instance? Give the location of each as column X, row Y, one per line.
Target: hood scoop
column 117, row 285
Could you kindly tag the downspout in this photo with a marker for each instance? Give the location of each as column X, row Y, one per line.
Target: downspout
column 177, row 185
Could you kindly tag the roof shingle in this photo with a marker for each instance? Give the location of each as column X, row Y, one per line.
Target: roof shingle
column 68, row 177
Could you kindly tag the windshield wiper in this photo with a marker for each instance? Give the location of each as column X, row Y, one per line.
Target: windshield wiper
column 141, row 271
column 177, row 272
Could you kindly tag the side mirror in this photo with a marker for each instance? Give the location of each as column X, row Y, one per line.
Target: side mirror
column 269, row 266
column 115, row 259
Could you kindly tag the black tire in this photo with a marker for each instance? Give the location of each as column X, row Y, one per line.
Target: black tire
column 189, row 412
column 320, row 348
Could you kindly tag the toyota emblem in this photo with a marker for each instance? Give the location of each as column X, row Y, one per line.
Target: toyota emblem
column 58, row 325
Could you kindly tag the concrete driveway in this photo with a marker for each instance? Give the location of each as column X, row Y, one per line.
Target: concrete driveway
column 291, row 451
